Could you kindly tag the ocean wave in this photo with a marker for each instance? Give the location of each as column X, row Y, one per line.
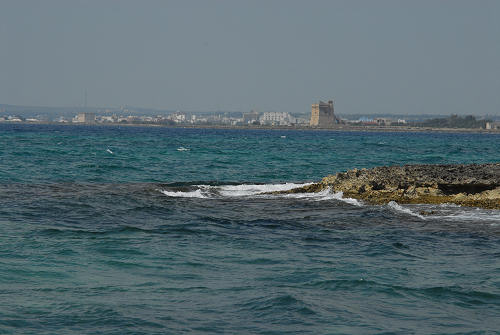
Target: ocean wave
column 448, row 213
column 265, row 305
column 456, row 213
column 340, row 196
column 241, row 190
column 189, row 194
column 471, row 215
column 256, row 190
column 398, row 208
column 326, row 194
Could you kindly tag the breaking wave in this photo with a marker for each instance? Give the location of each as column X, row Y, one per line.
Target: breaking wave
column 326, row 194
column 190, row 194
column 452, row 212
column 225, row 191
column 447, row 212
column 398, row 208
column 248, row 189
column 256, row 191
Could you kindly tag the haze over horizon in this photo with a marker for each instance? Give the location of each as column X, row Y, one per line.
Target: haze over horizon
column 398, row 57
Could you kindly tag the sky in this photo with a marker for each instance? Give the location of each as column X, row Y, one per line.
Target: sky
column 394, row 57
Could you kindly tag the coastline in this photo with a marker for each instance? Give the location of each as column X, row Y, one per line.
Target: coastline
column 342, row 128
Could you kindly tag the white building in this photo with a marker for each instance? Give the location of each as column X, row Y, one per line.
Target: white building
column 85, row 118
column 492, row 125
column 277, row 118
column 105, row 119
column 177, row 117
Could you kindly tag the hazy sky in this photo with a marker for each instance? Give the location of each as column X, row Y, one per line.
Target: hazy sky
column 371, row 56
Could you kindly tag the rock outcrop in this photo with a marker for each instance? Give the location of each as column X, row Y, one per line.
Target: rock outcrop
column 474, row 185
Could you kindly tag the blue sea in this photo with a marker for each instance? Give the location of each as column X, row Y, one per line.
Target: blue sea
column 151, row 230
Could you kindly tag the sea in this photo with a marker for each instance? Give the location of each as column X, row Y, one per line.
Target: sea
column 155, row 230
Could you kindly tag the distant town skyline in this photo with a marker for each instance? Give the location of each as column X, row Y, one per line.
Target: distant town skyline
column 372, row 57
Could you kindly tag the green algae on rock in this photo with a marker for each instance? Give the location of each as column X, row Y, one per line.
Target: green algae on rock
column 473, row 185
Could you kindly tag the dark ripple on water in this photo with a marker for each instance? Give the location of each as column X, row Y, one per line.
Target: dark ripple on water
column 106, row 252
column 125, row 258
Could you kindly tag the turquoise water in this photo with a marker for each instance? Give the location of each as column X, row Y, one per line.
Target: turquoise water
column 131, row 230
column 74, row 153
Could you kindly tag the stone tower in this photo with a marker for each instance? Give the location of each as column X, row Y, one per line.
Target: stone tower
column 323, row 115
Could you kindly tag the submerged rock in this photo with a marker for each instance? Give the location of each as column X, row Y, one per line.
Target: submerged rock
column 475, row 185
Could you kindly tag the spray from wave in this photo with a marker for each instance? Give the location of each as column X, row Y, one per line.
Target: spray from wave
column 257, row 191
column 326, row 194
column 451, row 212
column 180, row 194
column 228, row 191
column 248, row 189
column 398, row 208
column 448, row 212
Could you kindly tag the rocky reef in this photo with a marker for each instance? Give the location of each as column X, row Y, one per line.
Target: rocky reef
column 473, row 185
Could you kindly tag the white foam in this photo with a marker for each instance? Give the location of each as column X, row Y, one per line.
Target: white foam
column 243, row 190
column 179, row 194
column 260, row 191
column 469, row 216
column 340, row 196
column 326, row 194
column 397, row 207
column 182, row 149
column 248, row 189
column 448, row 204
column 453, row 212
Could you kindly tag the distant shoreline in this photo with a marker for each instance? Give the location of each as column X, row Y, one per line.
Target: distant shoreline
column 340, row 128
